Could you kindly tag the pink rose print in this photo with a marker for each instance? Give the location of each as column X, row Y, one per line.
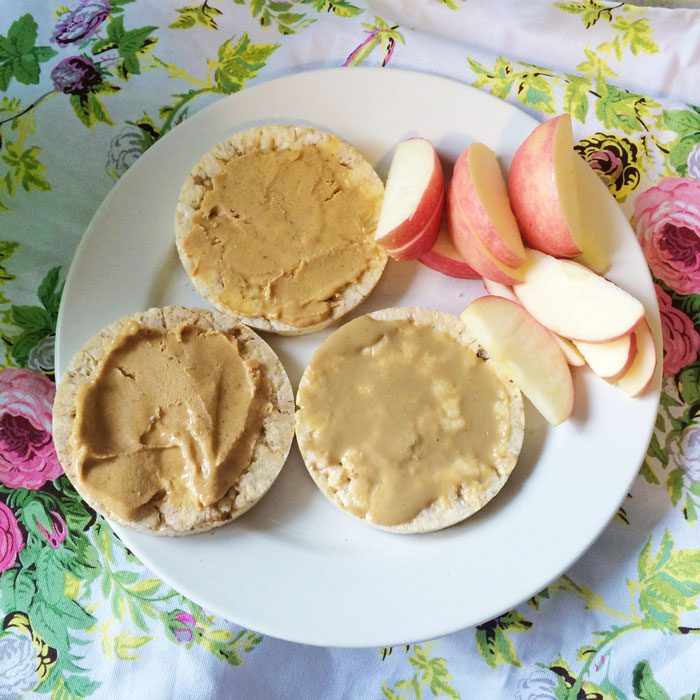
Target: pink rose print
column 667, row 221
column 11, row 541
column 182, row 625
column 27, row 455
column 681, row 340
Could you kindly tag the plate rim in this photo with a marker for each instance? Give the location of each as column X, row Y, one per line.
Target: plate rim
column 124, row 533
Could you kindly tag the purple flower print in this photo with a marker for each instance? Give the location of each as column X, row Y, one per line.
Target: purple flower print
column 694, row 163
column 75, row 75
column 81, row 22
column 684, row 450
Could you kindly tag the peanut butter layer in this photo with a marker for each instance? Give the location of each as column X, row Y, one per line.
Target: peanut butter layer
column 284, row 232
column 169, row 414
column 399, row 416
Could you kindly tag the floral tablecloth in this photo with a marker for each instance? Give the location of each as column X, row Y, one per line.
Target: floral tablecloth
column 86, row 88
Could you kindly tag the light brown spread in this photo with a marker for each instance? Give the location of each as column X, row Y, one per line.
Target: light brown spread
column 169, row 414
column 283, row 233
column 407, row 414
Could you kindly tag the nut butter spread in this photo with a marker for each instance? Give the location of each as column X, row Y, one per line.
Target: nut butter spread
column 169, row 414
column 284, row 232
column 405, row 414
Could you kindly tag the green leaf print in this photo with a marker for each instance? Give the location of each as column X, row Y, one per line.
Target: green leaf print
column 689, row 384
column 674, row 485
column 24, row 169
column 240, row 62
column 17, row 589
column 431, row 673
column 655, row 450
column 204, row 15
column 34, row 322
column 90, row 110
column 493, row 642
column 499, row 80
column 124, row 645
column 19, row 57
column 279, row 13
column 596, row 65
column 668, row 583
column 644, row 684
column 534, row 85
column 534, row 602
column 634, row 34
column 118, row 6
column 590, row 11
column 622, row 109
column 50, row 292
column 686, row 124
column 131, row 45
column 576, row 96
column 341, row 8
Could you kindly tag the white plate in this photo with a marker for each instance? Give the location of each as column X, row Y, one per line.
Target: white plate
column 295, row 567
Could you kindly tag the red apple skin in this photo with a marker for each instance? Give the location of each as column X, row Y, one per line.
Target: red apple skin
column 425, row 238
column 477, row 216
column 423, row 214
column 471, row 248
column 534, row 195
column 443, row 257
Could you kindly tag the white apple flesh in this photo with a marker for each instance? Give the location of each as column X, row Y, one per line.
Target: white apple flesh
column 480, row 189
column 500, row 290
column 600, row 214
column 523, row 351
column 574, row 302
column 610, row 360
column 413, row 197
column 638, row 377
column 571, row 354
column 425, row 238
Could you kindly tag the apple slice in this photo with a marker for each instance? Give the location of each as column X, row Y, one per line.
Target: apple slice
column 543, row 189
column 500, row 290
column 424, row 240
column 480, row 190
column 525, row 352
column 574, row 302
column 610, row 360
column 638, row 377
column 600, row 214
column 415, row 189
column 477, row 256
column 443, row 257
column 572, row 356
